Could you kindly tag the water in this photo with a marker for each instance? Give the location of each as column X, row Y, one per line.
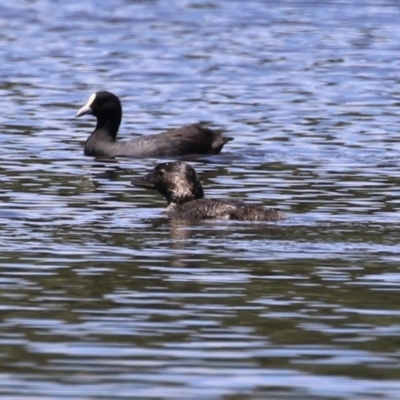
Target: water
column 102, row 297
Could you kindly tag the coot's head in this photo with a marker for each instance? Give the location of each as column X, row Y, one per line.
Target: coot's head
column 176, row 181
column 106, row 107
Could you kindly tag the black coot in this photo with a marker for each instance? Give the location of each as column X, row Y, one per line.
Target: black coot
column 106, row 107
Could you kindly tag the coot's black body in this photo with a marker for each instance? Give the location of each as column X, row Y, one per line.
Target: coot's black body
column 106, row 107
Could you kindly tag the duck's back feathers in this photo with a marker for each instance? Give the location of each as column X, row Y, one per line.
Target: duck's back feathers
column 224, row 209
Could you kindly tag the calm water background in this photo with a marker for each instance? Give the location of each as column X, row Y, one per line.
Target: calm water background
column 102, row 297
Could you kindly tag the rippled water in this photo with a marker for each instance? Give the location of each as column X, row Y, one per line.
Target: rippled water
column 103, row 297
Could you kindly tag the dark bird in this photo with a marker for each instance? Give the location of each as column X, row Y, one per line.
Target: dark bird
column 106, row 107
column 181, row 187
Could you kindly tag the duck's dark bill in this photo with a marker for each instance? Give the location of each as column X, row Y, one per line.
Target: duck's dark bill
column 145, row 181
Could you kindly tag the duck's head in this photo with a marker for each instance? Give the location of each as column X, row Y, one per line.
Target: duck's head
column 176, row 181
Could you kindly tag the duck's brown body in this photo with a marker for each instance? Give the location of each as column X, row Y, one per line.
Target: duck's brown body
column 179, row 184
